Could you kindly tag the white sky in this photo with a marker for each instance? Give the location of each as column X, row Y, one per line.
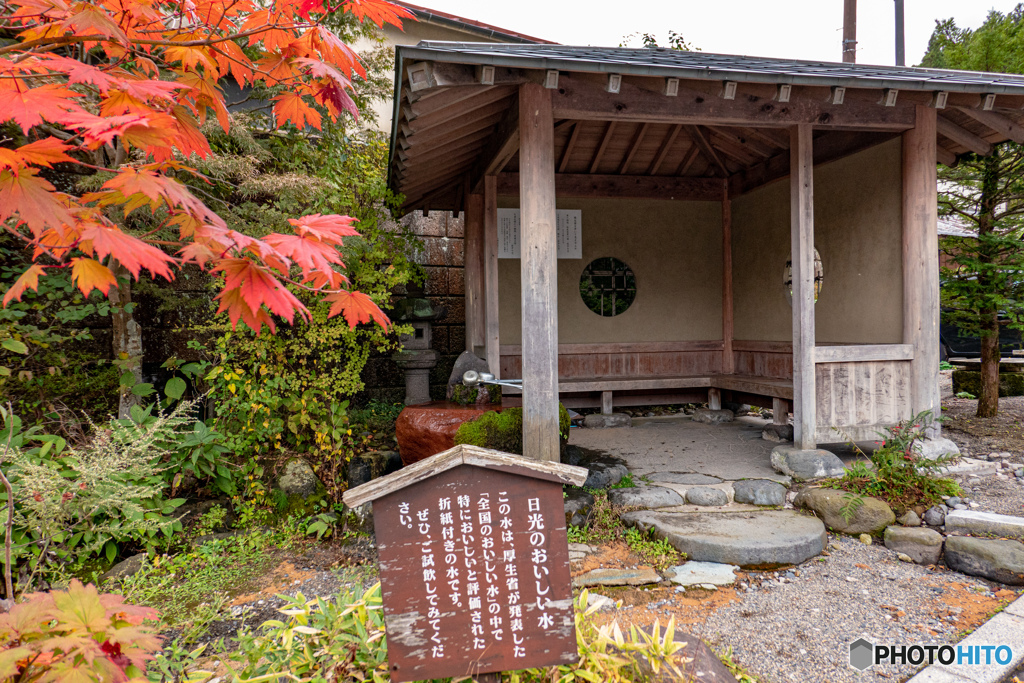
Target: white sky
column 799, row 29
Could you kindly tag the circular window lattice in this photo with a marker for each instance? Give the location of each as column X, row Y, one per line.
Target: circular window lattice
column 608, row 286
column 819, row 277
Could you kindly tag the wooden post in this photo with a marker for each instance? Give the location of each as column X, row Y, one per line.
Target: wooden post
column 492, row 349
column 607, row 408
column 780, row 411
column 921, row 262
column 474, row 275
column 714, row 399
column 850, row 31
column 801, row 183
column 539, row 273
column 728, row 362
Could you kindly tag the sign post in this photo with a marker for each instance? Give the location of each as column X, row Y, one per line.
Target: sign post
column 474, row 564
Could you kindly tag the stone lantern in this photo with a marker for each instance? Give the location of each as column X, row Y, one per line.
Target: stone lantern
column 417, row 358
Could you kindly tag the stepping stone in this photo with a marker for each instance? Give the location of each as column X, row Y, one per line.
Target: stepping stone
column 684, row 478
column 602, row 475
column 598, row 421
column 695, row 573
column 748, row 539
column 984, row 524
column 759, row 492
column 713, row 417
column 644, row 497
column 806, row 465
column 707, row 496
column 872, row 515
column 604, row 576
column 920, row 544
column 1001, row 561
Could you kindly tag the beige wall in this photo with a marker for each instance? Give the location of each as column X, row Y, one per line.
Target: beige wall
column 858, row 227
column 675, row 250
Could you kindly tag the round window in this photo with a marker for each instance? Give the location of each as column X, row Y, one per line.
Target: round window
column 608, row 286
column 819, row 276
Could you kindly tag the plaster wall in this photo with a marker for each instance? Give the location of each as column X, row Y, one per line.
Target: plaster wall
column 675, row 251
column 858, row 233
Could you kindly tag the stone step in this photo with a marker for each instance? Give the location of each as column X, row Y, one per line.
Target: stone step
column 767, row 538
column 984, row 523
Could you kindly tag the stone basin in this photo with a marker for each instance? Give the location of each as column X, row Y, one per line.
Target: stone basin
column 429, row 428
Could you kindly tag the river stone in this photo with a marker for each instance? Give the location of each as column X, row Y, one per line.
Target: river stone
column 909, row 518
column 1001, row 561
column 124, row 568
column 707, row 496
column 602, row 475
column 935, row 516
column 301, row 487
column 748, row 539
column 605, row 576
column 759, row 492
column 984, row 524
column 599, row 421
column 578, row 506
column 922, row 545
column 777, row 433
column 806, row 465
column 645, row 497
column 695, row 573
column 935, row 449
column 684, row 478
column 873, row 515
column 713, row 417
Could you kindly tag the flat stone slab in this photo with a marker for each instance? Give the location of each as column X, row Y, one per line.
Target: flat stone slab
column 759, row 492
column 684, row 478
column 1001, row 561
column 920, row 544
column 695, row 573
column 970, row 466
column 713, row 417
column 984, row 523
column 748, row 539
column 644, row 497
column 598, row 421
column 806, row 465
column 617, row 577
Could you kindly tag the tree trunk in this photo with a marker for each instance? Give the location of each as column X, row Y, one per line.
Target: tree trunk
column 127, row 339
column 988, row 322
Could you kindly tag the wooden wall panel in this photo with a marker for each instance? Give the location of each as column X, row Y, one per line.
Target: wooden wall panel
column 763, row 359
column 861, row 398
column 589, row 361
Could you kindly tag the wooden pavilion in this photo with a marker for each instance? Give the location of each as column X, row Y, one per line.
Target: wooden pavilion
column 817, row 296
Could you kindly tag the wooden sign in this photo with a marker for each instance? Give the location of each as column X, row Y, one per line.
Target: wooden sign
column 474, row 563
column 568, row 230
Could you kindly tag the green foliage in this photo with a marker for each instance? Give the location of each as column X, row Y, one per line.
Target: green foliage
column 945, row 365
column 851, row 503
column 378, row 416
column 605, row 526
column 654, row 551
column 625, row 483
column 503, row 431
column 965, row 394
column 75, row 635
column 898, row 473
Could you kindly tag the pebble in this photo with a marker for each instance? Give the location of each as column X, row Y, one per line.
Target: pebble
column 866, row 538
column 953, row 502
column 903, row 557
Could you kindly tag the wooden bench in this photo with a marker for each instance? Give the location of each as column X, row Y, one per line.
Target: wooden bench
column 780, row 391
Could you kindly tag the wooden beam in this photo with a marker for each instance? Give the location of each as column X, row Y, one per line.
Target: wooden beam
column 502, row 147
column 569, row 147
column 744, row 141
column 419, row 154
column 921, row 261
column 448, row 98
column 634, row 147
column 962, row 136
column 705, row 148
column 736, row 152
column 666, row 146
column 801, row 203
column 608, row 132
column 860, row 353
column 944, row 156
column 442, row 136
column 585, row 185
column 539, row 273
column 490, row 102
column 492, row 352
column 474, row 275
column 1001, row 124
column 728, row 360
column 446, row 75
column 688, row 159
column 579, row 99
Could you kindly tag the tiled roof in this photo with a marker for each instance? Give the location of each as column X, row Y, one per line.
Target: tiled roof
column 703, row 65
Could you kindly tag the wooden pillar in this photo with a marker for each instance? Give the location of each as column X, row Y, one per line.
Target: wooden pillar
column 474, row 274
column 492, row 349
column 780, row 411
column 921, row 262
column 728, row 361
column 539, row 267
column 714, row 399
column 801, row 183
column 607, row 405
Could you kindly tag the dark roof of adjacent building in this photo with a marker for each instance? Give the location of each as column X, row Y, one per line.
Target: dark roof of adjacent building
column 704, row 65
column 504, row 35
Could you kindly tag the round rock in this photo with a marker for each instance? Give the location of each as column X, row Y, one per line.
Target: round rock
column 806, row 465
column 871, row 516
column 713, row 417
column 747, row 539
column 935, row 516
column 707, row 496
column 644, row 497
column 759, row 492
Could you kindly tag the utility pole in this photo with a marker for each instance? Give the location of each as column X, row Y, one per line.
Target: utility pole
column 901, row 56
column 850, row 31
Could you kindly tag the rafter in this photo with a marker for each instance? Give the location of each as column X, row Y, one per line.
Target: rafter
column 634, row 146
column 705, row 148
column 691, row 155
column 666, row 146
column 1001, row 124
column 608, row 132
column 964, row 137
column 569, row 146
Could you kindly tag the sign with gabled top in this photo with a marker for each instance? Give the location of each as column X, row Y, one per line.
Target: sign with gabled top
column 474, row 563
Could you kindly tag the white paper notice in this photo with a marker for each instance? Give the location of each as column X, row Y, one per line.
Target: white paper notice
column 568, row 228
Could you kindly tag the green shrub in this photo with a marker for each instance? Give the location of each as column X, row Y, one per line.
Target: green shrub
column 968, row 381
column 503, row 431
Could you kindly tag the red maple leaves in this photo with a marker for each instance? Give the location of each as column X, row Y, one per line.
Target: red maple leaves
column 152, row 76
